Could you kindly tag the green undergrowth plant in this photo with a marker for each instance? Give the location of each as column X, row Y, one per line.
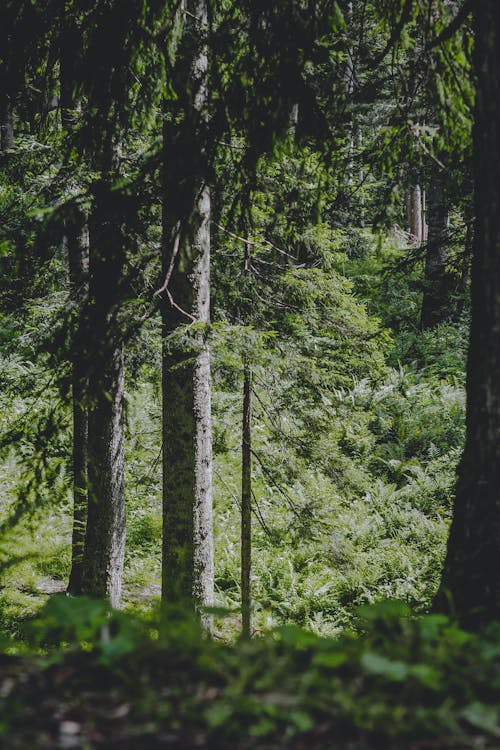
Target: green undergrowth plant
column 394, row 679
column 353, row 460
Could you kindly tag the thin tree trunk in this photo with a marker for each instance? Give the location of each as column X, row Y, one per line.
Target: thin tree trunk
column 188, row 555
column 246, row 506
column 425, row 219
column 78, row 248
column 436, row 296
column 349, row 90
column 6, row 126
column 361, row 175
column 471, row 577
column 465, row 272
column 408, row 210
column 77, row 241
column 415, row 204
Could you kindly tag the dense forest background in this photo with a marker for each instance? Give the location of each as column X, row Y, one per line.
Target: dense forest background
column 236, row 242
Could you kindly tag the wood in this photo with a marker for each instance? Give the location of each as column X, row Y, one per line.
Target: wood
column 415, row 204
column 188, row 555
column 6, row 126
column 105, row 534
column 77, row 243
column 246, row 506
column 436, row 299
column 471, row 583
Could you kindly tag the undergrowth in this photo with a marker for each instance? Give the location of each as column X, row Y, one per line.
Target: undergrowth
column 108, row 679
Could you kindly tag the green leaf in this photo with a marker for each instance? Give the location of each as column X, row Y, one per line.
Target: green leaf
column 330, row 659
column 377, row 664
column 482, row 717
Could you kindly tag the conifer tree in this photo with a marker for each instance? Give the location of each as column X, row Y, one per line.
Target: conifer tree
column 471, row 568
column 188, row 566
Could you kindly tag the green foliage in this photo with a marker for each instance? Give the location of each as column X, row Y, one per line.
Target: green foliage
column 354, row 463
column 402, row 680
column 358, row 416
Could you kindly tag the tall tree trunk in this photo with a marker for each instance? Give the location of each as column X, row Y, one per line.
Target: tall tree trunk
column 188, row 557
column 246, row 506
column 78, row 248
column 6, row 125
column 461, row 295
column 187, row 430
column 349, row 89
column 77, row 241
column 425, row 218
column 471, row 570
column 415, row 214
column 246, row 466
column 105, row 533
column 436, row 301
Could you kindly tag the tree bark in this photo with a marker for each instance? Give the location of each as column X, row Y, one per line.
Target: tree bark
column 465, row 271
column 349, row 89
column 6, row 126
column 78, row 249
column 188, row 556
column 425, row 225
column 415, row 215
column 436, row 303
column 471, row 577
column 77, row 241
column 246, row 506
column 105, row 533
column 188, row 567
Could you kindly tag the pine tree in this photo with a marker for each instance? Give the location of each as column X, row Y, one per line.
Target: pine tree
column 188, row 566
column 471, row 568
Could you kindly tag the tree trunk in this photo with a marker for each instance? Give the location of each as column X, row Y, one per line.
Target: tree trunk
column 436, row 302
column 78, row 248
column 415, row 215
column 188, row 557
column 77, row 241
column 246, row 506
column 461, row 295
column 425, row 225
column 349, row 90
column 6, row 126
column 105, row 533
column 471, row 577
column 188, row 567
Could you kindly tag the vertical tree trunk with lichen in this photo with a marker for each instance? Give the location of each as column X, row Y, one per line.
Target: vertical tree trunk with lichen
column 188, row 565
column 471, row 577
column 187, row 429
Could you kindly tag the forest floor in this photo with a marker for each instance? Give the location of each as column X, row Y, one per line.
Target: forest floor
column 114, row 681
